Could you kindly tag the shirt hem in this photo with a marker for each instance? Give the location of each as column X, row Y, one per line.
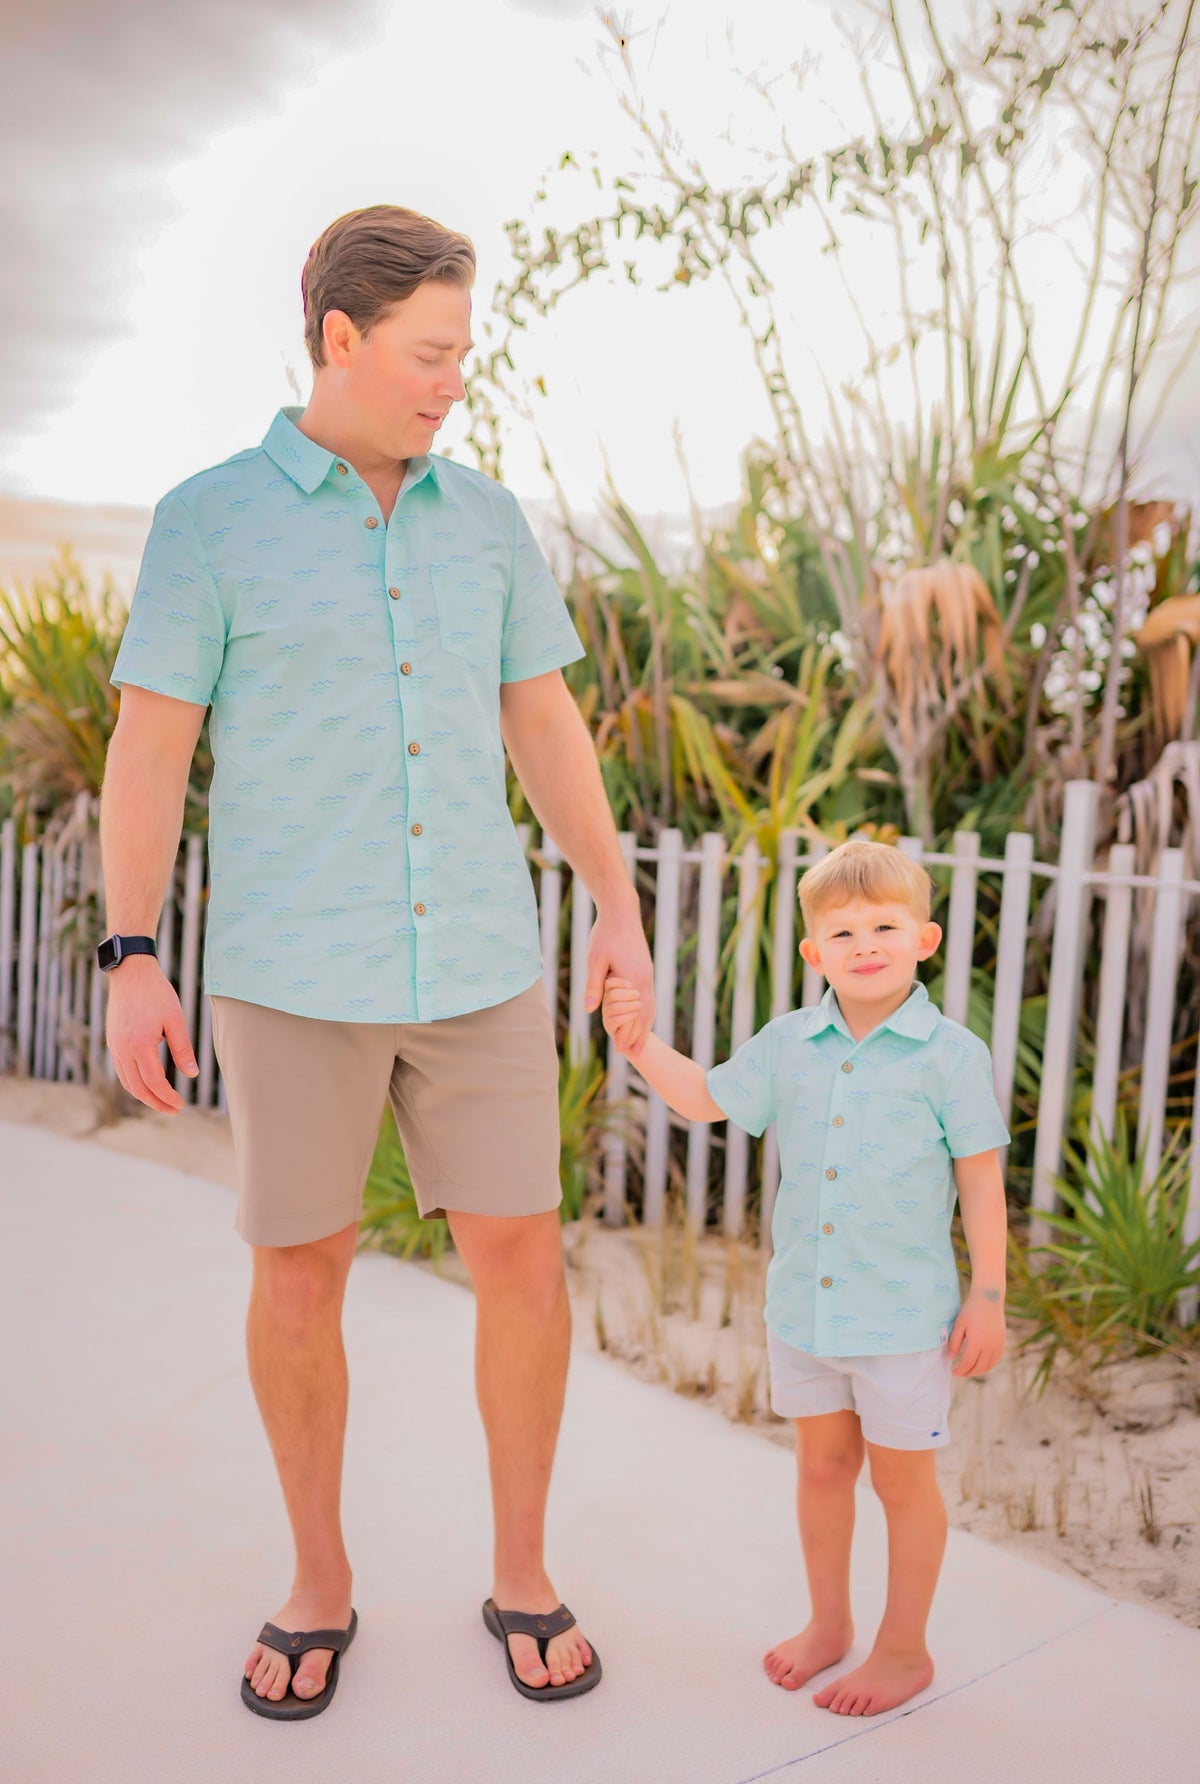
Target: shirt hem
column 289, row 1006
column 913, row 1345
column 517, row 671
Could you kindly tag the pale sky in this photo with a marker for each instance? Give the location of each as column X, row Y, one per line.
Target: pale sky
column 178, row 158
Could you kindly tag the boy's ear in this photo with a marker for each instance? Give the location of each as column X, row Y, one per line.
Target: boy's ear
column 811, row 954
column 929, row 940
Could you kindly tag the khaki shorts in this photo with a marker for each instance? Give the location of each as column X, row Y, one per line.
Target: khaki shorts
column 475, row 1099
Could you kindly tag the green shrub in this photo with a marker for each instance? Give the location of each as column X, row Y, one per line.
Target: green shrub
column 1109, row 1283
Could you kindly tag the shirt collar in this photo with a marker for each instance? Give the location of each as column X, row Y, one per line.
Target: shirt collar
column 308, row 464
column 915, row 1019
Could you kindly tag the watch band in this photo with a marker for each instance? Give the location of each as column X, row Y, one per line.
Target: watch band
column 114, row 948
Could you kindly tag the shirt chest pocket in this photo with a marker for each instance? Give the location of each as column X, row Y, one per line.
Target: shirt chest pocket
column 469, row 598
column 900, row 1133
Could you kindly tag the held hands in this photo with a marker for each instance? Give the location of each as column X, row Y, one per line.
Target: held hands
column 977, row 1341
column 622, row 1011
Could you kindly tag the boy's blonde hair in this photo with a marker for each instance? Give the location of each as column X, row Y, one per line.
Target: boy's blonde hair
column 873, row 871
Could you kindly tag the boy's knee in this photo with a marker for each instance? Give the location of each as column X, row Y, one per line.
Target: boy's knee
column 903, row 1477
column 823, row 1471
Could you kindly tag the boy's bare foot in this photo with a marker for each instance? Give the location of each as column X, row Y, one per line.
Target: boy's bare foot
column 793, row 1663
column 880, row 1683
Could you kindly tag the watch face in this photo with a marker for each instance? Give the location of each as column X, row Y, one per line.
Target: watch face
column 108, row 953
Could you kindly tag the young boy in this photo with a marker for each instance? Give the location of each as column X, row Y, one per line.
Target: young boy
column 885, row 1109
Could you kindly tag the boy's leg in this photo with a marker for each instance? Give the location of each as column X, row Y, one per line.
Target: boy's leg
column 829, row 1454
column 899, row 1665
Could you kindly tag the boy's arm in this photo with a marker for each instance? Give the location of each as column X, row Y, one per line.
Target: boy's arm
column 678, row 1080
column 978, row 1336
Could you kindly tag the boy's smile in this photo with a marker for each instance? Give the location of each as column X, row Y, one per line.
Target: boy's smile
column 869, row 954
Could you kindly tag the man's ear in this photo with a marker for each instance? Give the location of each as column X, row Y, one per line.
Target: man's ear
column 340, row 336
column 811, row 954
column 929, row 940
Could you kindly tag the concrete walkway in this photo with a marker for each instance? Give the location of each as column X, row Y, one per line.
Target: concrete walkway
column 141, row 1544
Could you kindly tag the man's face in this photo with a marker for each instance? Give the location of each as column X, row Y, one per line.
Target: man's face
column 400, row 381
column 869, row 952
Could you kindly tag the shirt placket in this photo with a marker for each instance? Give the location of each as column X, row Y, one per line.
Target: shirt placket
column 400, row 571
column 835, row 1156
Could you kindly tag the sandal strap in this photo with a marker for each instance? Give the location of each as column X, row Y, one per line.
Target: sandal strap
column 293, row 1643
column 541, row 1628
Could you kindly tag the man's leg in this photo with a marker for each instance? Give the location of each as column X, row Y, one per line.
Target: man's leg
column 899, row 1665
column 522, row 1343
column 298, row 1370
column 829, row 1456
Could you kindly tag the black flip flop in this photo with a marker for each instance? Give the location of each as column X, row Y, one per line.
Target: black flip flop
column 543, row 1629
column 295, row 1644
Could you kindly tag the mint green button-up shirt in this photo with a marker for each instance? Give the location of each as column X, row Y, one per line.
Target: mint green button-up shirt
column 863, row 1264
column 363, row 863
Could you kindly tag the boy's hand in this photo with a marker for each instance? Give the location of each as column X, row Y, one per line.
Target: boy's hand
column 978, row 1338
column 621, row 1011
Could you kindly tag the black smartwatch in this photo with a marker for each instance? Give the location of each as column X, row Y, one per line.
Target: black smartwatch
column 114, row 948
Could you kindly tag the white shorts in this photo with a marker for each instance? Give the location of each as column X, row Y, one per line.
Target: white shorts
column 903, row 1402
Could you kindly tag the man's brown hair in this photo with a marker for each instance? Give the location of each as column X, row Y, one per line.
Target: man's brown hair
column 371, row 259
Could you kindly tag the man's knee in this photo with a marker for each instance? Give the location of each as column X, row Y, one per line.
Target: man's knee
column 522, row 1252
column 304, row 1281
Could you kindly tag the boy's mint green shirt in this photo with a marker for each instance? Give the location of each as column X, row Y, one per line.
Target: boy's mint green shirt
column 363, row 863
column 863, row 1264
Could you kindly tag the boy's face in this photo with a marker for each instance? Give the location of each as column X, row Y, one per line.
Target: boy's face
column 399, row 381
column 869, row 952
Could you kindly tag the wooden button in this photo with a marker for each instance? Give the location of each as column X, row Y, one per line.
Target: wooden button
column 420, row 909
column 827, row 1228
column 847, row 1066
column 418, row 829
column 342, row 469
column 394, row 593
column 406, row 668
column 414, row 749
column 827, row 1282
column 831, row 1173
column 371, row 522
column 839, row 1121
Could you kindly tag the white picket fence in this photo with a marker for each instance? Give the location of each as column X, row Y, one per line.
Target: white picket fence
column 51, row 995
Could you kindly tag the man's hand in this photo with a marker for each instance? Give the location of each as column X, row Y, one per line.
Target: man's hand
column 622, row 1014
column 618, row 949
column 978, row 1338
column 143, row 1008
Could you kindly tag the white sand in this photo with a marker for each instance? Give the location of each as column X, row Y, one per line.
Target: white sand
column 1080, row 1480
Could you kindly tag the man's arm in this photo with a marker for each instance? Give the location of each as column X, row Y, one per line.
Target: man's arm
column 555, row 761
column 141, row 817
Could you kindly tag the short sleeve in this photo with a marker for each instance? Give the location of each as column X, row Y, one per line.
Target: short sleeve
column 745, row 1085
column 174, row 641
column 538, row 633
column 970, row 1115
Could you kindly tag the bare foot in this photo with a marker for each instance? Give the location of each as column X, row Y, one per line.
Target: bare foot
column 880, row 1683
column 793, row 1663
column 567, row 1657
column 268, row 1671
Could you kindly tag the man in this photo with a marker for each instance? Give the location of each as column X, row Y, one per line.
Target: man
column 372, row 627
